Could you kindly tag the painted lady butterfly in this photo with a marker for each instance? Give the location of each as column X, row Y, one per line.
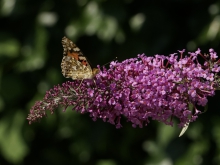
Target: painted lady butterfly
column 74, row 64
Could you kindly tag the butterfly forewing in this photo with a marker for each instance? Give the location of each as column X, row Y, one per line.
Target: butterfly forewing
column 74, row 64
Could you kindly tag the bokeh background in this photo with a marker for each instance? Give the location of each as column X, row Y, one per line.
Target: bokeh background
column 30, row 56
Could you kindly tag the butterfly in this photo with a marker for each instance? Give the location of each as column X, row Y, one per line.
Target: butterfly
column 74, row 64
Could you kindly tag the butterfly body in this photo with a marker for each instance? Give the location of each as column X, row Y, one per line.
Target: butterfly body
column 74, row 64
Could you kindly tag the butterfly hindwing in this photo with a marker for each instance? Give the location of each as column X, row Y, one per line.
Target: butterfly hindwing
column 74, row 64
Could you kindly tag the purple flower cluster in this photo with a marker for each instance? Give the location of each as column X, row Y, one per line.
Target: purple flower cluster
column 142, row 88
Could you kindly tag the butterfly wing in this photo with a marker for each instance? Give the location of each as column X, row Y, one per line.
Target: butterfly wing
column 74, row 64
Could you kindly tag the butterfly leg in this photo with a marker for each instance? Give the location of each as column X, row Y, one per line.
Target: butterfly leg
column 80, row 84
column 95, row 83
column 82, row 81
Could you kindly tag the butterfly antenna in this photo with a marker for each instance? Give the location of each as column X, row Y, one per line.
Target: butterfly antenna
column 110, row 61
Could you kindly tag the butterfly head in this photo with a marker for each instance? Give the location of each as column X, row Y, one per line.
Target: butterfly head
column 95, row 71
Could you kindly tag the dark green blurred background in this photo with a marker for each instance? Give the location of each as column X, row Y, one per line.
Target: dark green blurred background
column 30, row 56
